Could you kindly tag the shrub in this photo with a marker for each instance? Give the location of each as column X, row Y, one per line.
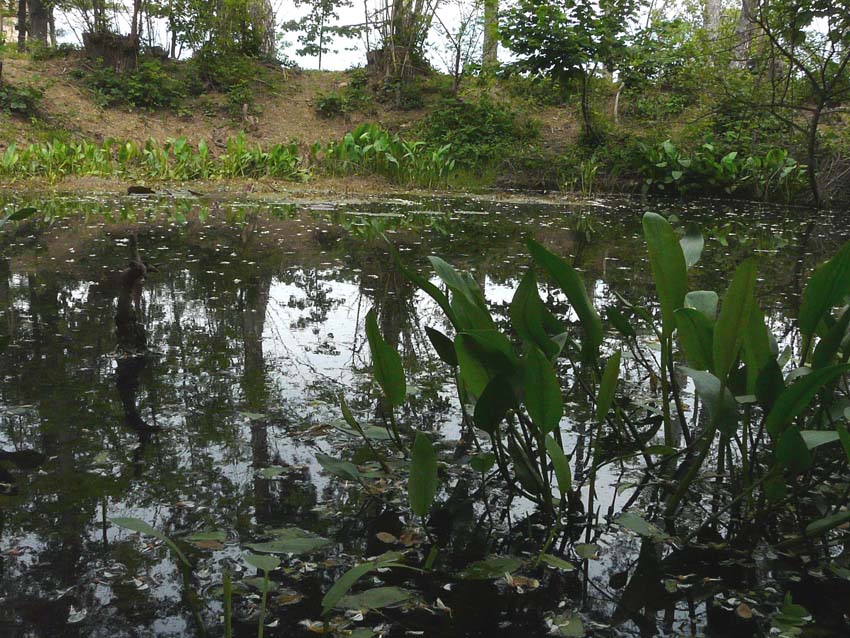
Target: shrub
column 150, row 85
column 479, row 132
column 20, row 100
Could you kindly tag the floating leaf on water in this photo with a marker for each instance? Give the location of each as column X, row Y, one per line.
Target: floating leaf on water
column 271, row 472
column 290, row 540
column 386, row 537
column 259, row 583
column 570, row 626
column 263, row 563
column 377, row 598
column 588, row 551
column 639, row 525
column 816, row 438
column 557, row 563
column 208, row 536
column 338, row 467
column 491, row 568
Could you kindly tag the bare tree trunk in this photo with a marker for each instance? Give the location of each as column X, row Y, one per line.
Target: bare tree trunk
column 712, row 17
column 744, row 32
column 134, row 23
column 490, row 55
column 39, row 20
column 52, row 27
column 22, row 25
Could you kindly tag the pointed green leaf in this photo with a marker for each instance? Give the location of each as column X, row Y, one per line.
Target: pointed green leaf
column 669, row 268
column 692, row 245
column 734, row 318
column 696, row 337
column 569, row 280
column 527, row 315
column 826, row 288
column 542, row 391
column 830, row 345
column 792, row 451
column 706, row 301
column 796, row 398
column 608, row 385
column 561, row 464
column 443, row 345
column 494, row 403
column 386, row 363
column 422, row 486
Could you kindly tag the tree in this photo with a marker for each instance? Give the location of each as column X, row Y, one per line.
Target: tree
column 317, row 28
column 807, row 59
column 462, row 38
column 570, row 40
column 490, row 56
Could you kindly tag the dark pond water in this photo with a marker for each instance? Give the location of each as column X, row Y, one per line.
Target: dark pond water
column 253, row 316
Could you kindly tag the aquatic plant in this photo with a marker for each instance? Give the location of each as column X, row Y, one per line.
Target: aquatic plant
column 176, row 159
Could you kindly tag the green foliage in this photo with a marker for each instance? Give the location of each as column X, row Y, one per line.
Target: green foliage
column 20, row 100
column 151, row 85
column 480, row 132
column 177, row 159
column 667, row 169
column 369, row 148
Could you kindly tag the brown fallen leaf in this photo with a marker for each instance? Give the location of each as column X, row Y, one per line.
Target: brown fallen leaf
column 744, row 611
column 386, row 537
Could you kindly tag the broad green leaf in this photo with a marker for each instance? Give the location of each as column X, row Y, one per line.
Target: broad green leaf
column 587, row 551
column 341, row 587
column 527, row 315
column 343, row 469
column 823, row 525
column 435, row 293
column 569, row 280
column 263, row 563
column 376, row 598
column 770, row 384
column 792, row 452
column 138, row 525
column 608, row 385
column 261, row 584
column 734, row 317
column 561, row 464
column 422, row 486
column 542, row 391
column 830, row 345
column 692, row 245
column 483, row 355
column 271, row 472
column 483, row 463
column 640, row 526
column 796, row 398
column 816, row 438
column 386, row 363
column 706, row 301
column 696, row 337
column 669, row 268
column 571, row 627
column 723, row 409
column 620, row 323
column 290, row 540
column 826, row 288
column 456, row 283
column 757, row 353
column 443, row 345
column 557, row 563
column 494, row 403
column 21, row 214
column 491, row 568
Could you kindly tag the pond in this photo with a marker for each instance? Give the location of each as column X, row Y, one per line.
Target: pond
column 198, row 398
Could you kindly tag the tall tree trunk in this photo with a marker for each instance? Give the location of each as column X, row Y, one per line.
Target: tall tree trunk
column 22, row 25
column 39, row 20
column 744, row 32
column 712, row 17
column 135, row 23
column 812, row 151
column 490, row 56
column 52, row 26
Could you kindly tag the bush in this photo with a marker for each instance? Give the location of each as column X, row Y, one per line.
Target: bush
column 20, row 100
column 150, row 85
column 479, row 132
column 332, row 104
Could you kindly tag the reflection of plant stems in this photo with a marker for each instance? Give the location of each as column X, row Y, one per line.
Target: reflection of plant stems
column 191, row 599
column 263, row 603
column 228, row 599
column 396, row 434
